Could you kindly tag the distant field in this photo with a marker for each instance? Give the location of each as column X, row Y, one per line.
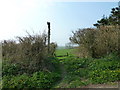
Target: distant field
column 60, row 52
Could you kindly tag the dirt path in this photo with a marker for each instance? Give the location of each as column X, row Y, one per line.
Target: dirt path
column 108, row 85
column 61, row 83
column 63, row 71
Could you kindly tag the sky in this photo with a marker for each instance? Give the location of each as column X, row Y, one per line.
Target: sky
column 19, row 16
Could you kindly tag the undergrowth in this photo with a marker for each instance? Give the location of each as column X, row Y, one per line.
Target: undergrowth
column 84, row 71
column 40, row 79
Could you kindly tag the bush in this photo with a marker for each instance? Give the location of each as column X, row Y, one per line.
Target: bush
column 97, row 42
column 37, row 80
column 30, row 52
column 20, row 81
column 77, row 66
column 44, row 80
column 13, row 76
column 10, row 69
column 100, row 76
column 104, row 70
column 110, row 62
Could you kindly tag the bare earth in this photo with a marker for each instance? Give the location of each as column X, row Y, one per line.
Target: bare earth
column 110, row 85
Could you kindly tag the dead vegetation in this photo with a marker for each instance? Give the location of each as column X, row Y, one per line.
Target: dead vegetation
column 30, row 52
column 97, row 42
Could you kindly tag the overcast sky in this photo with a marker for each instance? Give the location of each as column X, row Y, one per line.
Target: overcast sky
column 17, row 16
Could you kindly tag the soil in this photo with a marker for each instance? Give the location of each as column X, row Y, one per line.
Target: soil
column 108, row 85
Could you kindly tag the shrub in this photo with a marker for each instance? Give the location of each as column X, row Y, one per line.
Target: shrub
column 104, row 70
column 110, row 62
column 44, row 80
column 97, row 42
column 10, row 69
column 37, row 80
column 30, row 52
column 103, row 76
column 77, row 66
column 20, row 81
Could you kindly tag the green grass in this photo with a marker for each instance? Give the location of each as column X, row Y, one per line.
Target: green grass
column 60, row 52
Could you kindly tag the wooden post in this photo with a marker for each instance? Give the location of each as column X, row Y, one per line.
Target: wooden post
column 119, row 29
column 48, row 23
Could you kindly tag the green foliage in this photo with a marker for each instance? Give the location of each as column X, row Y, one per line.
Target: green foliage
column 83, row 71
column 76, row 83
column 110, row 62
column 103, row 76
column 20, row 81
column 10, row 69
column 37, row 80
column 44, row 80
column 104, row 70
column 103, row 65
column 12, row 77
column 77, row 66
column 80, row 72
column 55, row 63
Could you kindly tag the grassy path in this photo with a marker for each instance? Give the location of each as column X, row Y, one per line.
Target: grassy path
column 61, row 83
column 64, row 82
column 64, row 73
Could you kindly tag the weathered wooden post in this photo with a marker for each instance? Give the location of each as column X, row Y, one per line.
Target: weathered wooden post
column 119, row 29
column 48, row 23
column 119, row 14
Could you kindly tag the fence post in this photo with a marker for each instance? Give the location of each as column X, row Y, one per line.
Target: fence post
column 48, row 23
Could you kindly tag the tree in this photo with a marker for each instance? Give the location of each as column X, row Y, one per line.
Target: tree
column 113, row 19
column 69, row 45
column 85, row 38
column 104, row 21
